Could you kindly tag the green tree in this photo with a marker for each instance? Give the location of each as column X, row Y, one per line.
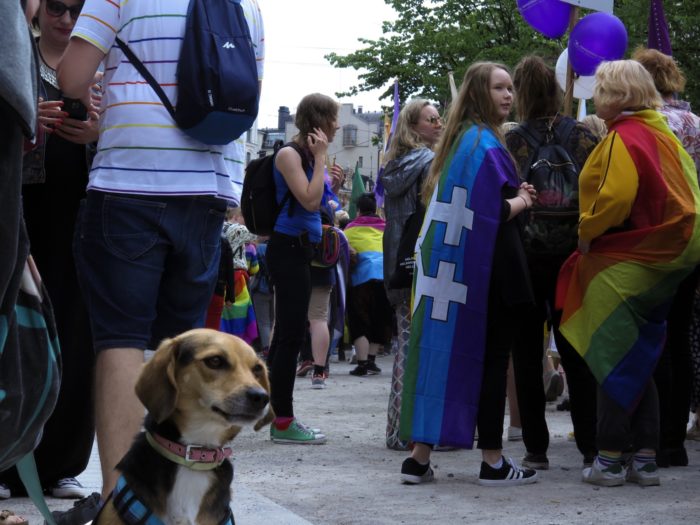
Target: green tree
column 429, row 38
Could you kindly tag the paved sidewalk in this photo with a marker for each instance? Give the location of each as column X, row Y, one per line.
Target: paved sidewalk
column 354, row 478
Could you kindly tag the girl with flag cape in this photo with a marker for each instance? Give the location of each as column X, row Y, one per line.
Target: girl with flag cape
column 639, row 237
column 470, row 281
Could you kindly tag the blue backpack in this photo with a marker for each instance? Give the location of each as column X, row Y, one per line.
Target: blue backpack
column 217, row 76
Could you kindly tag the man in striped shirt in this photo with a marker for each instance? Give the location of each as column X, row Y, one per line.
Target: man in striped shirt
column 147, row 243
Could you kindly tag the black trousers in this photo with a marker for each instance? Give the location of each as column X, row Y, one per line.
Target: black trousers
column 673, row 374
column 288, row 261
column 527, row 365
column 501, row 329
column 618, row 430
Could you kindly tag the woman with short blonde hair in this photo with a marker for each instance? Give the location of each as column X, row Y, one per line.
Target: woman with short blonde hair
column 638, row 239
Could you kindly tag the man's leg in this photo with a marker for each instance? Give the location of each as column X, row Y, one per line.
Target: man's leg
column 118, row 412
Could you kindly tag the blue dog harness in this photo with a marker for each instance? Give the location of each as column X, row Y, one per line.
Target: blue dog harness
column 134, row 512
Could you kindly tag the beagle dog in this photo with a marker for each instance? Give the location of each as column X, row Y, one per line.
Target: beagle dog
column 199, row 388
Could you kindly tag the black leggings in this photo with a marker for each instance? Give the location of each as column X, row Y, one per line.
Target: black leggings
column 288, row 261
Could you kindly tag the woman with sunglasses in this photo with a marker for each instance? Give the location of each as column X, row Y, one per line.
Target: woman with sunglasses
column 55, row 175
column 407, row 164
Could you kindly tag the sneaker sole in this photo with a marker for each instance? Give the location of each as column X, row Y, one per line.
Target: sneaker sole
column 410, row 479
column 535, row 465
column 67, row 494
column 373, row 373
column 317, row 441
column 507, row 482
column 318, row 387
column 606, row 482
column 645, row 482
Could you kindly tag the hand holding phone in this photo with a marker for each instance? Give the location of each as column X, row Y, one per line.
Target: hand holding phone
column 75, row 108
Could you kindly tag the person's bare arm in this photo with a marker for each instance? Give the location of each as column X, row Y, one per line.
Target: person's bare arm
column 307, row 192
column 76, row 70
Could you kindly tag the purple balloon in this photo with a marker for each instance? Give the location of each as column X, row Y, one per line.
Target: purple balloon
column 549, row 17
column 598, row 37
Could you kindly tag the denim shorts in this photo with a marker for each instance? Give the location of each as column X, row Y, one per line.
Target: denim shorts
column 147, row 265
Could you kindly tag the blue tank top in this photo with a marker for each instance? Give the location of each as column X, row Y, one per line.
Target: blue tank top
column 301, row 220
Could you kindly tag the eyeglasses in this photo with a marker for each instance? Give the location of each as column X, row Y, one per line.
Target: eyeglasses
column 434, row 120
column 58, row 9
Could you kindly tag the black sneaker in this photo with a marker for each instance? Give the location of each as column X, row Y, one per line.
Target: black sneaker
column 508, row 475
column 536, row 461
column 359, row 370
column 83, row 511
column 413, row 473
column 373, row 369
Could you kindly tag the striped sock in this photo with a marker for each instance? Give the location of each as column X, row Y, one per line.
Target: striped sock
column 643, row 458
column 608, row 458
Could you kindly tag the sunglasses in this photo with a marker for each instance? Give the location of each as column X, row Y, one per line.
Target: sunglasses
column 58, row 9
column 434, row 120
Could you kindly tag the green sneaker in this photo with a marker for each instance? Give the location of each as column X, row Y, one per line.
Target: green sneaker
column 297, row 433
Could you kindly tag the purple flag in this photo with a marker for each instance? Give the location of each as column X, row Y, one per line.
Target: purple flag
column 658, row 28
column 379, row 187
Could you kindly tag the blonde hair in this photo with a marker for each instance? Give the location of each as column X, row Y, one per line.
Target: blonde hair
column 406, row 138
column 668, row 78
column 474, row 105
column 625, row 85
column 596, row 125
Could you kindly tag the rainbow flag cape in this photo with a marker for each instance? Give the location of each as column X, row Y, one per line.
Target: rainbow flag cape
column 640, row 182
column 442, row 379
column 365, row 235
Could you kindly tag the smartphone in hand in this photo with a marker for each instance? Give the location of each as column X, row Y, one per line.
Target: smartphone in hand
column 75, row 108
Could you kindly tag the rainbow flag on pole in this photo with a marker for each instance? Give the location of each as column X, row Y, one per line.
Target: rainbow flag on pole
column 639, row 182
column 442, row 379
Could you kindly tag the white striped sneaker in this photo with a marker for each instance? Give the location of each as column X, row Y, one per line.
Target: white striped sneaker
column 508, row 475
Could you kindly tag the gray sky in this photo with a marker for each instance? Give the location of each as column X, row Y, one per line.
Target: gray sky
column 298, row 33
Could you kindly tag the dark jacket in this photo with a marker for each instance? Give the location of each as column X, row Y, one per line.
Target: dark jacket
column 401, row 180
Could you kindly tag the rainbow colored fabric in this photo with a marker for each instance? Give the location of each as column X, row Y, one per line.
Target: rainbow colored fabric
column 442, row 378
column 365, row 236
column 239, row 318
column 639, row 203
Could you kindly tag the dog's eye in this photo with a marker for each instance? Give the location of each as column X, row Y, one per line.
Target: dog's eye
column 257, row 369
column 215, row 362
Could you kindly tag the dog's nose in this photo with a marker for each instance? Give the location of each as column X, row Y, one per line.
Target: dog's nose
column 257, row 397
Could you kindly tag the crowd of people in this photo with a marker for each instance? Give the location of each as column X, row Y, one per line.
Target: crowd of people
column 587, row 231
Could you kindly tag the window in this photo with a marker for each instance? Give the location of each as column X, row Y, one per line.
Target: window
column 349, row 135
column 359, row 162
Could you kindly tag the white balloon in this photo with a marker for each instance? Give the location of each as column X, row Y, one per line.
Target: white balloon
column 583, row 86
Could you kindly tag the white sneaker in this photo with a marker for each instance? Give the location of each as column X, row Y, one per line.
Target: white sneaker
column 68, row 488
column 5, row 491
column 646, row 476
column 612, row 476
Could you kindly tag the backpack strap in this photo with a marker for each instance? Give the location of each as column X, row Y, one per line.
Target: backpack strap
column 138, row 65
column 305, row 166
column 534, row 140
column 26, row 468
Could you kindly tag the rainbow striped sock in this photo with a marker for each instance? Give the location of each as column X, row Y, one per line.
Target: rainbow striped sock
column 644, row 458
column 608, row 458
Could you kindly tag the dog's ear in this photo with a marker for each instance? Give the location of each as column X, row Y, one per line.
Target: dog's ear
column 269, row 416
column 156, row 387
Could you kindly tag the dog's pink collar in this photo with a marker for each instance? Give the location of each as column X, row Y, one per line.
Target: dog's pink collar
column 189, row 455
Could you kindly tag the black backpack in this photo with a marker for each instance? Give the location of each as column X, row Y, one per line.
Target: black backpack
column 259, row 195
column 551, row 225
column 217, row 75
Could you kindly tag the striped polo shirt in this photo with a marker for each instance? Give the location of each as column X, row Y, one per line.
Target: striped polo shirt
column 141, row 150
